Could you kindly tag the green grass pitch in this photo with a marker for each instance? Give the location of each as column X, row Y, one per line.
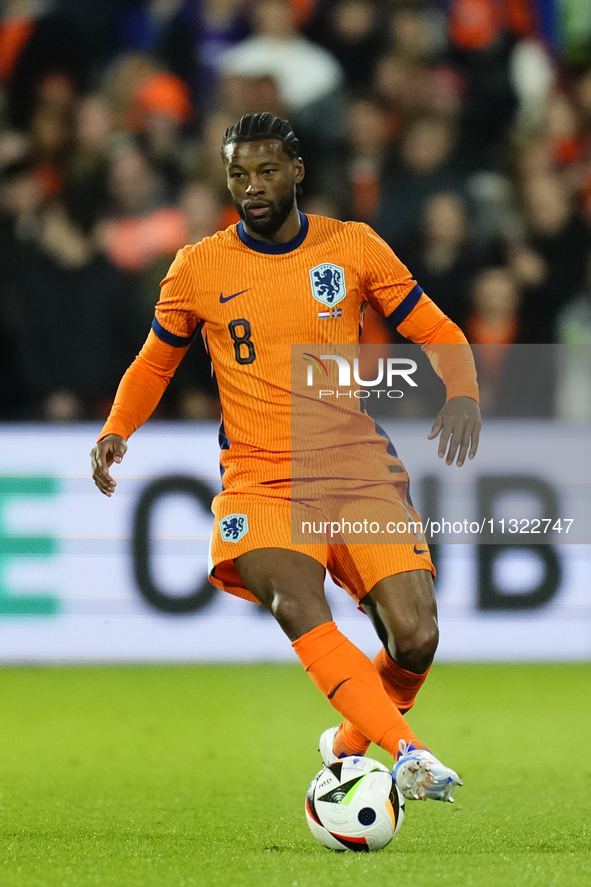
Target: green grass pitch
column 196, row 776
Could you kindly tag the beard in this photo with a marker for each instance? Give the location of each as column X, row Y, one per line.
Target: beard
column 268, row 227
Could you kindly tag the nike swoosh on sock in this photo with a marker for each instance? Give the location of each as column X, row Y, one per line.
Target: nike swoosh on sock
column 338, row 686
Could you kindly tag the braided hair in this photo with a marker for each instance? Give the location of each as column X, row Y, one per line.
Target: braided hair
column 257, row 127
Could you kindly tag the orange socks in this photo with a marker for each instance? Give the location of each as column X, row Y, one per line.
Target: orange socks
column 352, row 685
column 401, row 686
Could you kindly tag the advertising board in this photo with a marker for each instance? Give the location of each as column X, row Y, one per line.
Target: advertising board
column 86, row 578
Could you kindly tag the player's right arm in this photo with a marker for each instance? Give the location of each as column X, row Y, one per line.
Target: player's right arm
column 109, row 449
column 137, row 397
column 147, row 378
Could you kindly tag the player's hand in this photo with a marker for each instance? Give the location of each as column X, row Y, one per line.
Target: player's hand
column 111, row 448
column 459, row 425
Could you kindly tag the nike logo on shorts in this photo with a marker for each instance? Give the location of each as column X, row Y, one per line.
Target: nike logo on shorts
column 233, row 296
column 338, row 686
column 420, row 550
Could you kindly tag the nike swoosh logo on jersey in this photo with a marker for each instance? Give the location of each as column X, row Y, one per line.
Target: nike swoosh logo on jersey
column 338, row 686
column 420, row 550
column 233, row 296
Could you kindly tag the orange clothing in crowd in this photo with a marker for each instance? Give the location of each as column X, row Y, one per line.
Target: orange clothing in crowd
column 163, row 94
column 483, row 332
column 303, row 10
column 498, row 337
column 477, row 24
column 133, row 242
column 15, row 33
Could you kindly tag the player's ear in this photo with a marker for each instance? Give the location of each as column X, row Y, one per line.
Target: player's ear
column 300, row 172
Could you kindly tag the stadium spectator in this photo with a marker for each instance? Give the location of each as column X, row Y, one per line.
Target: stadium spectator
column 442, row 256
column 352, row 32
column 369, row 138
column 563, row 131
column 494, row 318
column 160, row 111
column 574, row 320
column 164, row 29
column 353, row 183
column 206, row 165
column 213, row 26
column 551, row 263
column 93, row 130
column 36, row 41
column 76, row 321
column 482, row 38
column 21, row 197
column 51, row 132
column 427, row 167
column 238, row 92
column 94, row 139
column 417, row 33
column 493, row 326
column 305, row 73
column 573, row 395
column 121, row 83
column 408, row 113
column 141, row 223
column 517, row 381
column 202, row 210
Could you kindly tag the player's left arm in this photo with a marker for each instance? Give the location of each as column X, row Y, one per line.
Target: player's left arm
column 447, row 348
column 392, row 290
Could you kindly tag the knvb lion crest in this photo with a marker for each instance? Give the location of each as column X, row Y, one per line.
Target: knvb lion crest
column 328, row 283
column 234, row 527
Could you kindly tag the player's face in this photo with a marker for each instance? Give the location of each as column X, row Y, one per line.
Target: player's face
column 262, row 181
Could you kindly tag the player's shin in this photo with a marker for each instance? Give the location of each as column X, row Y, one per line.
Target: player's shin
column 352, row 685
column 401, row 686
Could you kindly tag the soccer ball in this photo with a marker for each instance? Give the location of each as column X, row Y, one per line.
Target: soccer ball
column 354, row 804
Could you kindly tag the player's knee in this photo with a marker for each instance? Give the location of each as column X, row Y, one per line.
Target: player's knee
column 297, row 615
column 286, row 611
column 415, row 651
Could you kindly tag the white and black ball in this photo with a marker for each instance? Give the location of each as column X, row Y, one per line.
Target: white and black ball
column 354, row 804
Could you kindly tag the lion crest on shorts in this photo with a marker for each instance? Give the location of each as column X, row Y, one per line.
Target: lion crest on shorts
column 234, row 527
column 328, row 283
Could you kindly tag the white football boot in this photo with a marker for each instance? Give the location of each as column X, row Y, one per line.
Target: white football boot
column 419, row 775
column 325, row 744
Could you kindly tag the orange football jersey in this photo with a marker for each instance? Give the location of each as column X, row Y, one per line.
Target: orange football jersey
column 255, row 299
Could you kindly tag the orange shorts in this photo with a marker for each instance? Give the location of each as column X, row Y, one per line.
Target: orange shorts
column 263, row 517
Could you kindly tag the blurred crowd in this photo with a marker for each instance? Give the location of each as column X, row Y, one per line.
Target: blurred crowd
column 459, row 129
